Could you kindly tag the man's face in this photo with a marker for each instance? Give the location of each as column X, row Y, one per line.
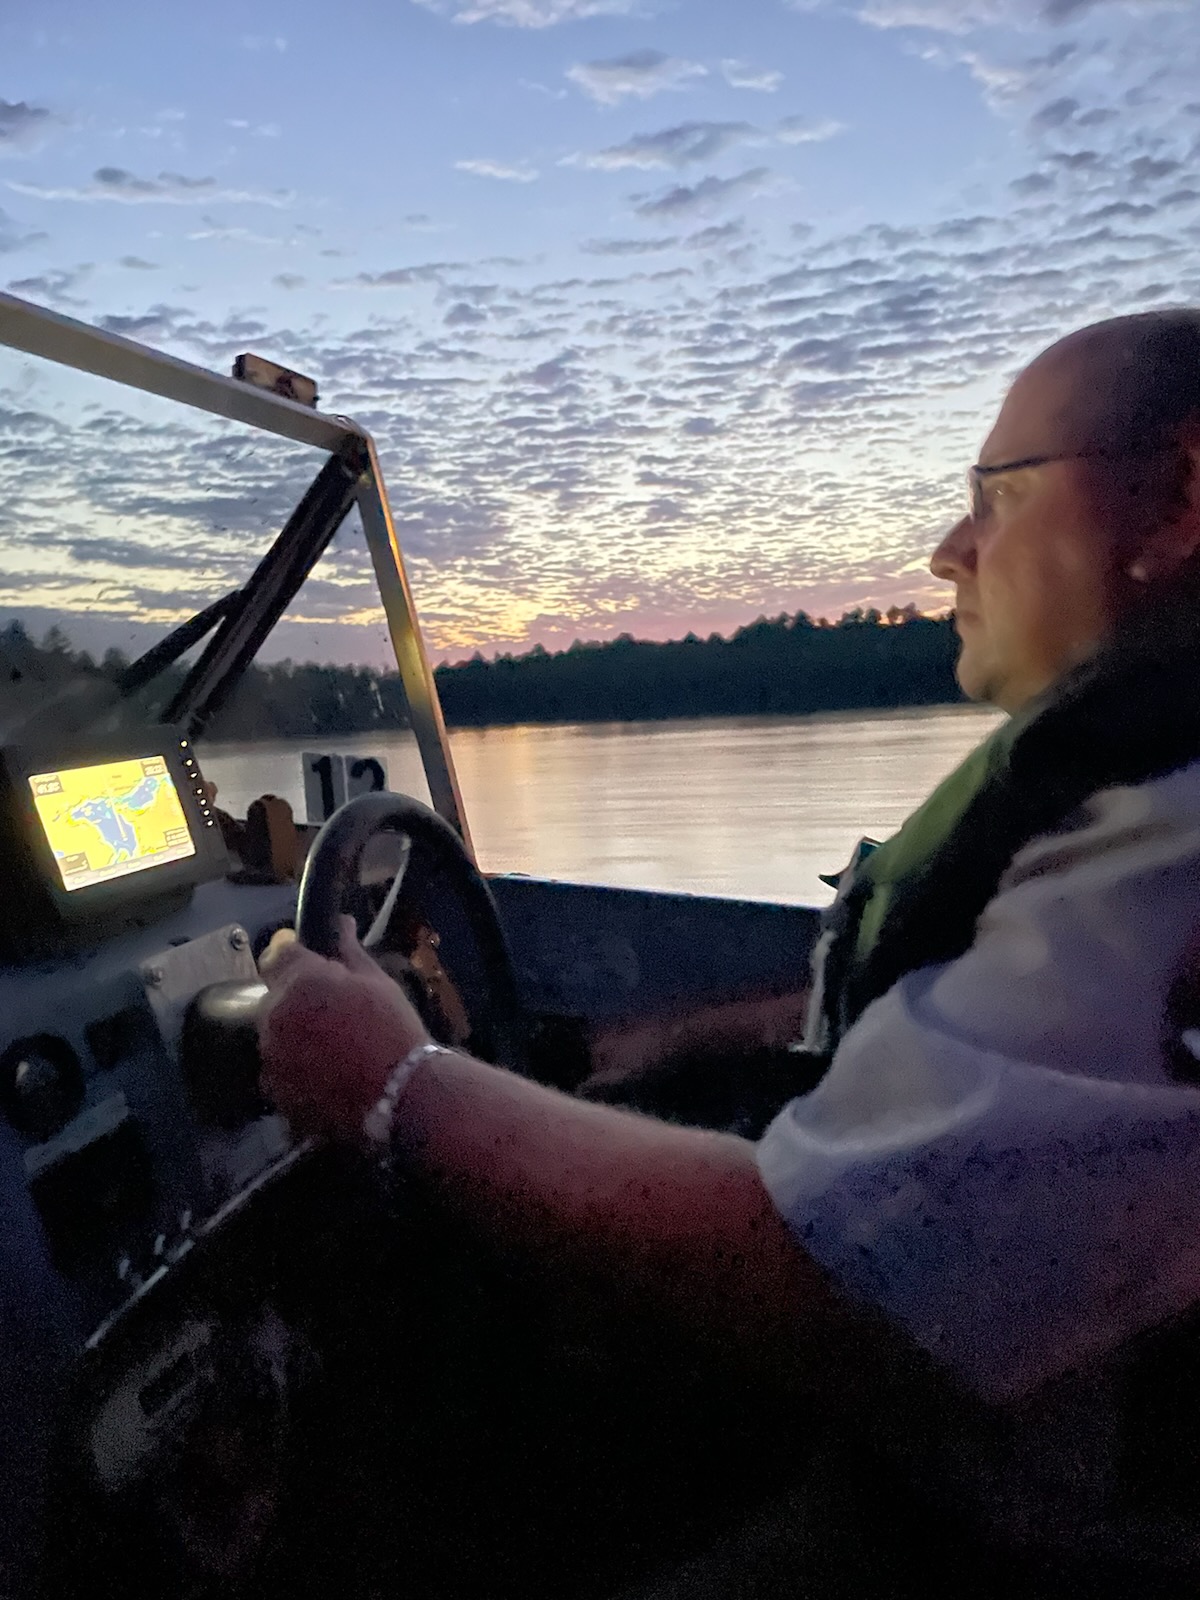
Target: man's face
column 1037, row 574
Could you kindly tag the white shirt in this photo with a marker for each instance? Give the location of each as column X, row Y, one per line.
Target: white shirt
column 999, row 1158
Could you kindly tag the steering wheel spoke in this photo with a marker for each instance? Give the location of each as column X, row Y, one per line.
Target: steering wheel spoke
column 331, row 884
column 376, row 936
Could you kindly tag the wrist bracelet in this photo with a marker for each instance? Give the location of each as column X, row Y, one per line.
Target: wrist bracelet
column 380, row 1119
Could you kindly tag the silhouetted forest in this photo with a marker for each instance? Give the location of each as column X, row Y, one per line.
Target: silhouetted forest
column 788, row 665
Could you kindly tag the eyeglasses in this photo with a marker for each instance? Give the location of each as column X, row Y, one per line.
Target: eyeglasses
column 977, row 476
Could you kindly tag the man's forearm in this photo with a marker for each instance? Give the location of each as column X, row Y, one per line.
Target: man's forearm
column 647, row 1216
column 623, row 1213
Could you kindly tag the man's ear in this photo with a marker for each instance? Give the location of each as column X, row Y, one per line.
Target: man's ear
column 1176, row 539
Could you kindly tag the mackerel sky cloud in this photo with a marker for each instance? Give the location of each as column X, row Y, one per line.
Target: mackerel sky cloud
column 664, row 315
column 640, row 75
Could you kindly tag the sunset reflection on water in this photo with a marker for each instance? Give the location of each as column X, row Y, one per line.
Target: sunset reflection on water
column 752, row 806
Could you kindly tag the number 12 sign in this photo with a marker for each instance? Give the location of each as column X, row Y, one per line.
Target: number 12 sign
column 331, row 780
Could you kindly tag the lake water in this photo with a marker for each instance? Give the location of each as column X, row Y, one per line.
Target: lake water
column 750, row 806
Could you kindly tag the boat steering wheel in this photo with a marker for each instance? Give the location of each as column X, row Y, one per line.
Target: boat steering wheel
column 331, row 876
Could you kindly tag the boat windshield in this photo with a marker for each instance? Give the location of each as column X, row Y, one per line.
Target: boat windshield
column 129, row 524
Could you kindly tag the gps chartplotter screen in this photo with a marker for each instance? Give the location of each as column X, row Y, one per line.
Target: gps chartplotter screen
column 111, row 820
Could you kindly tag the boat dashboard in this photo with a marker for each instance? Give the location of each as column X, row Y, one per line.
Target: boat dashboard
column 122, row 1131
column 130, row 1117
column 126, row 1121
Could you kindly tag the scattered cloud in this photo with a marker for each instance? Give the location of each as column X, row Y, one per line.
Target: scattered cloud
column 464, row 315
column 680, row 146
column 665, row 509
column 714, row 237
column 136, row 264
column 938, row 16
column 741, row 75
column 264, row 41
column 400, row 277
column 639, row 75
column 1032, row 183
column 151, row 326
column 628, row 247
column 1057, row 113
column 225, row 233
column 689, row 143
column 288, row 280
column 168, row 188
column 686, row 200
column 23, row 128
column 973, row 16
column 800, row 130
column 262, row 130
column 498, row 169
column 12, row 237
column 542, row 88
column 528, row 13
column 52, row 288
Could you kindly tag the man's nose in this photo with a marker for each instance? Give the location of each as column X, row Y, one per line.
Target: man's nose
column 956, row 553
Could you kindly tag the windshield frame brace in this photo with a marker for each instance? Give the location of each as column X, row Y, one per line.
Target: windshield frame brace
column 258, row 607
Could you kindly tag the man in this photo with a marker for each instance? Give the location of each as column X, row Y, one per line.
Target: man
column 992, row 1195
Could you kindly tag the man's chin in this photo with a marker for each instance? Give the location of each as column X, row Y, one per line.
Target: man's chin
column 974, row 681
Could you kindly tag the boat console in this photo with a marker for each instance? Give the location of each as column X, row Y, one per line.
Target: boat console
column 179, row 1243
column 130, row 1118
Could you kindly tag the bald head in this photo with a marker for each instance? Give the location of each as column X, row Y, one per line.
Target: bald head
column 1092, row 504
column 1127, row 383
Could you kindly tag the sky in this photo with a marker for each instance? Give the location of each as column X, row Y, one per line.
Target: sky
column 665, row 313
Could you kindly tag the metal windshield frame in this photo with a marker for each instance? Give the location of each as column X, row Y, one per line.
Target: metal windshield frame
column 36, row 331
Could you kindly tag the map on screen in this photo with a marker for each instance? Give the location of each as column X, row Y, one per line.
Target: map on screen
column 110, row 820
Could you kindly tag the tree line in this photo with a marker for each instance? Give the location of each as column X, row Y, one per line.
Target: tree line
column 787, row 665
